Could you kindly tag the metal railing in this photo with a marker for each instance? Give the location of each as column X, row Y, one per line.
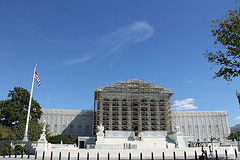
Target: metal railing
column 204, row 156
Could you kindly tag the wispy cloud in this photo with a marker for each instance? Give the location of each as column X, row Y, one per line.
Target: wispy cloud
column 117, row 40
column 126, row 36
column 238, row 117
column 79, row 60
column 49, row 97
column 189, row 81
column 186, row 104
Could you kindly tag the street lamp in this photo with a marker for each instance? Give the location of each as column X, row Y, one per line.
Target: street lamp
column 237, row 134
column 238, row 96
column 212, row 138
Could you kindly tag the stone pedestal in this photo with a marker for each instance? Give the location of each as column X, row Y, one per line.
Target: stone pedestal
column 180, row 140
column 100, row 139
column 42, row 143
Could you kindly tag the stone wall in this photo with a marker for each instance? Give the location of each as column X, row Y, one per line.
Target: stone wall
column 66, row 121
column 202, row 124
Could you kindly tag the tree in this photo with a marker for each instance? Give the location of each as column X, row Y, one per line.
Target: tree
column 13, row 114
column 232, row 136
column 227, row 57
column 6, row 133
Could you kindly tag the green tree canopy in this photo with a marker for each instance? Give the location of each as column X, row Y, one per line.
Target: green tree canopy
column 13, row 114
column 227, row 54
column 13, row 111
column 6, row 133
column 232, row 136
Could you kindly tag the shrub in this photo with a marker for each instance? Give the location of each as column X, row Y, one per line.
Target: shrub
column 64, row 138
column 19, row 149
column 5, row 147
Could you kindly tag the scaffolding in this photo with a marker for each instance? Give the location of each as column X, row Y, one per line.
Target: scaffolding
column 132, row 105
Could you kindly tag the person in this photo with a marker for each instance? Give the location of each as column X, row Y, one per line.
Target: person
column 202, row 150
column 176, row 145
column 166, row 145
column 210, row 151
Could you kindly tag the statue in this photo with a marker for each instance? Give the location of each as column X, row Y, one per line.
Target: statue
column 42, row 143
column 177, row 128
column 43, row 135
column 44, row 126
column 100, row 128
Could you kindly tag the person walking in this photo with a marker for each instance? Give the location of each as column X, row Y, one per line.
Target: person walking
column 202, row 150
column 210, row 151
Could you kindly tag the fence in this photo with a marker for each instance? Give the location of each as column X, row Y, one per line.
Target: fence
column 79, row 156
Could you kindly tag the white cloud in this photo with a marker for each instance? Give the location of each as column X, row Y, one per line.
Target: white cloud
column 49, row 97
column 189, row 81
column 79, row 60
column 125, row 36
column 186, row 104
column 238, row 117
column 119, row 39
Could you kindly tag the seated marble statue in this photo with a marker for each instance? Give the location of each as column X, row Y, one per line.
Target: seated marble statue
column 177, row 128
column 100, row 128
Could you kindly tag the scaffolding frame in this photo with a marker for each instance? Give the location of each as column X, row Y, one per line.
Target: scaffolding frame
column 132, row 105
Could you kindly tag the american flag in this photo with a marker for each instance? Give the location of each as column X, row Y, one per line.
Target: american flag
column 37, row 78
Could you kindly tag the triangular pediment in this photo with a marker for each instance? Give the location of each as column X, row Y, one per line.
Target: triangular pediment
column 132, row 83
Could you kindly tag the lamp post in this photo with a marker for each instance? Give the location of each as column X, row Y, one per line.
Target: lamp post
column 237, row 133
column 238, row 96
column 212, row 138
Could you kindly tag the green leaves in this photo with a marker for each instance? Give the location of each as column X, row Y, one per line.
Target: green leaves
column 227, row 33
column 64, row 138
column 13, row 115
column 232, row 136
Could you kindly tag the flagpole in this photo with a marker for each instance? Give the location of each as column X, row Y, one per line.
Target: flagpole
column 29, row 107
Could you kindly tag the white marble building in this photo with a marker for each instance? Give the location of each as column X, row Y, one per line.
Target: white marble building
column 67, row 121
column 202, row 124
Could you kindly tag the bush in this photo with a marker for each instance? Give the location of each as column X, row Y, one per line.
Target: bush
column 5, row 147
column 64, row 138
column 18, row 148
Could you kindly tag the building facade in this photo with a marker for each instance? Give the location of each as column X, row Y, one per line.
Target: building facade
column 132, row 105
column 202, row 125
column 235, row 128
column 138, row 106
column 66, row 121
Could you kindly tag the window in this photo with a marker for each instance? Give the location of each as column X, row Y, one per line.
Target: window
column 216, row 129
column 55, row 128
column 87, row 129
column 124, row 128
column 210, row 129
column 71, row 128
column 115, row 128
column 79, row 128
column 196, row 129
column 203, row 130
column 183, row 129
column 189, row 130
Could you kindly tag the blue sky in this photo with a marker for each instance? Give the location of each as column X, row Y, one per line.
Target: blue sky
column 83, row 45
